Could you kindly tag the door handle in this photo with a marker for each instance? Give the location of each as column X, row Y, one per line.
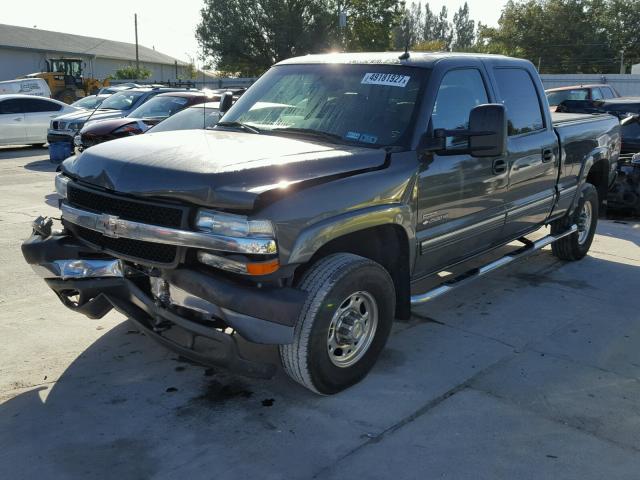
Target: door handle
column 547, row 155
column 499, row 166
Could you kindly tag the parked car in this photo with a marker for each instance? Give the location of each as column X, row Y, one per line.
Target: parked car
column 140, row 120
column 308, row 215
column 26, row 86
column 118, row 105
column 91, row 102
column 197, row 117
column 110, row 90
column 24, row 118
column 555, row 96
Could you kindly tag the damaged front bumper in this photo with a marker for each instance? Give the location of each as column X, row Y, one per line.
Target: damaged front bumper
column 187, row 310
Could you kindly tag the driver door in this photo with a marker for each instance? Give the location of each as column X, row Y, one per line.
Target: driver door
column 461, row 208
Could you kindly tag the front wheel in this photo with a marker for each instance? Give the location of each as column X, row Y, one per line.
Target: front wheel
column 585, row 216
column 344, row 324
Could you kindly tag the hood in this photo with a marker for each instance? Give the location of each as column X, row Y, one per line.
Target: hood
column 82, row 115
column 215, row 168
column 106, row 126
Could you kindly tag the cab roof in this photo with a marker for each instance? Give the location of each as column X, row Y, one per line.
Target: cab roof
column 416, row 59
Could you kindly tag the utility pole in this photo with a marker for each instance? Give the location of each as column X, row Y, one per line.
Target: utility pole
column 622, row 69
column 135, row 22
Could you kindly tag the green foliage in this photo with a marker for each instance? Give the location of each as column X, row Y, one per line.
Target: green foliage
column 567, row 36
column 370, row 24
column 129, row 72
column 464, row 28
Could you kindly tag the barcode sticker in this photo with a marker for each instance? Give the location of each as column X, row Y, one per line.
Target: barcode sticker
column 388, row 79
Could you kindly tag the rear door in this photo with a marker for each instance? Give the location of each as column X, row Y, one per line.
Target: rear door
column 38, row 112
column 12, row 126
column 532, row 150
column 460, row 198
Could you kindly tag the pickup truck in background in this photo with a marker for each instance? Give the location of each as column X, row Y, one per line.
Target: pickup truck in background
column 308, row 215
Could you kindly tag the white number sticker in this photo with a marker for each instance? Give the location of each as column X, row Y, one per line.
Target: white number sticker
column 389, row 79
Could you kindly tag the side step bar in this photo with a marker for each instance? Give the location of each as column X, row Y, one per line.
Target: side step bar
column 528, row 249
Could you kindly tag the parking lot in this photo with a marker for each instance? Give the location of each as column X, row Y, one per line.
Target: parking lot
column 531, row 373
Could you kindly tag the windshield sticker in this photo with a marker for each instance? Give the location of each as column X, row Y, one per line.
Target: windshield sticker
column 361, row 137
column 388, row 79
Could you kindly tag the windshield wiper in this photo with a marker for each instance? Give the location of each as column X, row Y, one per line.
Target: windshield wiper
column 241, row 125
column 331, row 137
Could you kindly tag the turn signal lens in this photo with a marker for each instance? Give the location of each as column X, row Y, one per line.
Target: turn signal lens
column 263, row 268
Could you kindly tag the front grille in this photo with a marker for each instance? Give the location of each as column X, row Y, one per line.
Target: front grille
column 134, row 249
column 134, row 210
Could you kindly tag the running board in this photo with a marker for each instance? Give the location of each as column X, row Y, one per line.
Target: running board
column 528, row 249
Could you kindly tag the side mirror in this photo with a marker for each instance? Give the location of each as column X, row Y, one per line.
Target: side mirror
column 488, row 126
column 486, row 135
column 226, row 100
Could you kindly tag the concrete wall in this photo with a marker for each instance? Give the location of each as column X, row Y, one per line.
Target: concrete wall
column 627, row 85
column 15, row 63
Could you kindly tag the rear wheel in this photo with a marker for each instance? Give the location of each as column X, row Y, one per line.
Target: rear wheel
column 344, row 324
column 585, row 216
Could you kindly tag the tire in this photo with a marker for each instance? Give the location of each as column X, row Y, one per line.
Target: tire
column 344, row 290
column 575, row 246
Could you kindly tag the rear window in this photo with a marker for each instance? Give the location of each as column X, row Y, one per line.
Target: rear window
column 32, row 105
column 519, row 95
column 556, row 98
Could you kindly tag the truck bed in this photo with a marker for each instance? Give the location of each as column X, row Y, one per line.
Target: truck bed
column 564, row 118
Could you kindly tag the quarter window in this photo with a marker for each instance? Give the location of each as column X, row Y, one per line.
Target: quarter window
column 459, row 92
column 520, row 97
column 596, row 94
column 607, row 92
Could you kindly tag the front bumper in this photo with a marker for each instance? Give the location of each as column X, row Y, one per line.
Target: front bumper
column 92, row 283
column 56, row 136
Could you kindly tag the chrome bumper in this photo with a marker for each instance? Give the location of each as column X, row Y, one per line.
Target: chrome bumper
column 79, row 269
column 113, row 226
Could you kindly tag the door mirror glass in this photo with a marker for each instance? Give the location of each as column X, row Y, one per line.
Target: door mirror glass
column 225, row 102
column 491, row 120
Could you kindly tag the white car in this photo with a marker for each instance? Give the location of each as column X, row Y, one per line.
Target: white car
column 24, row 119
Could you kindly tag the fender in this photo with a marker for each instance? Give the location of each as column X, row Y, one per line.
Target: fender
column 312, row 238
column 597, row 155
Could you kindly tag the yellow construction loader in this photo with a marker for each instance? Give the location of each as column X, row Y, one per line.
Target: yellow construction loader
column 65, row 80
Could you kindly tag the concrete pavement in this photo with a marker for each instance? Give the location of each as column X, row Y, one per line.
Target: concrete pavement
column 531, row 373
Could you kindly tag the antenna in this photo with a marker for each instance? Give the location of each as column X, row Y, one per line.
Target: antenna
column 406, row 54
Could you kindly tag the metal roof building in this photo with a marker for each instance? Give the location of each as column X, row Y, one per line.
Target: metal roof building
column 25, row 50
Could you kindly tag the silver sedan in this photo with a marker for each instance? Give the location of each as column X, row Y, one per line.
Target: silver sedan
column 24, row 119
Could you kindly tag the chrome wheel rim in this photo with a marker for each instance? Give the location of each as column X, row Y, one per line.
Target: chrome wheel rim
column 584, row 222
column 352, row 329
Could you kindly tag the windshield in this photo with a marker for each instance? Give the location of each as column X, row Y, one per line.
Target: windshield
column 88, row 102
column 556, row 98
column 121, row 100
column 372, row 105
column 189, row 119
column 159, row 107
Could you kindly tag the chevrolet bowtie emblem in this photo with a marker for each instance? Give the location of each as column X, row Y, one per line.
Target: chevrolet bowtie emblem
column 108, row 225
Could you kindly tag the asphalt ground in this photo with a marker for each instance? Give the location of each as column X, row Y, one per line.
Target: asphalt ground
column 532, row 372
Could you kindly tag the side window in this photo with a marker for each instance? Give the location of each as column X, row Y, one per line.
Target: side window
column 13, row 105
column 459, row 92
column 32, row 105
column 596, row 94
column 519, row 94
column 607, row 92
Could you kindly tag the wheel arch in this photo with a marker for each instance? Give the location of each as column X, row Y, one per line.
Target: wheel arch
column 385, row 243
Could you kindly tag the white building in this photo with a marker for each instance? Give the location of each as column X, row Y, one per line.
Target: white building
column 25, row 50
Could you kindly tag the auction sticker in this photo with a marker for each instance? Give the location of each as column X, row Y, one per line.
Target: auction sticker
column 388, row 79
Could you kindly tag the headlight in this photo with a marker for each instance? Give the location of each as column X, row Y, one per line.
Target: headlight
column 130, row 129
column 61, row 185
column 233, row 225
column 75, row 125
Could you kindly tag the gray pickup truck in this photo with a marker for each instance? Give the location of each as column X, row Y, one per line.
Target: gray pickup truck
column 306, row 218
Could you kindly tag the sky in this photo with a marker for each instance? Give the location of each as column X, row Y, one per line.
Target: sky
column 167, row 26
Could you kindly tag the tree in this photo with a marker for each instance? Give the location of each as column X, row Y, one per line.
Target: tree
column 429, row 25
column 463, row 29
column 442, row 27
column 410, row 30
column 567, row 36
column 248, row 36
column 129, row 72
column 370, row 24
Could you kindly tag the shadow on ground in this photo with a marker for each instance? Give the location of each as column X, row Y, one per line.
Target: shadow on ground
column 126, row 408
